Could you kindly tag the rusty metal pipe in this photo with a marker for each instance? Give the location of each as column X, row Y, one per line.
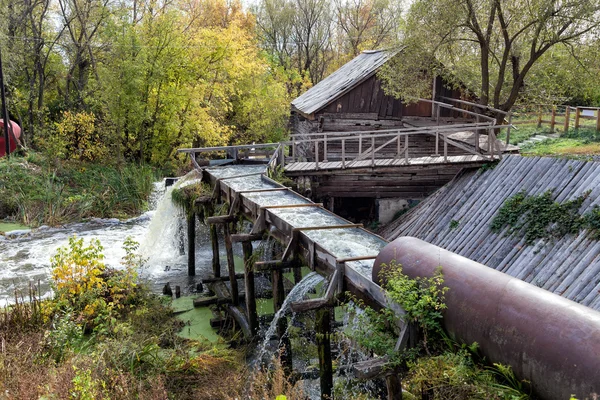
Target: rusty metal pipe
column 551, row 341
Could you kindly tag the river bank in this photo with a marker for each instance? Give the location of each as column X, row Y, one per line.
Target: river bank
column 35, row 191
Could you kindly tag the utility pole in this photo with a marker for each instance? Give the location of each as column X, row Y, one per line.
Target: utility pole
column 4, row 109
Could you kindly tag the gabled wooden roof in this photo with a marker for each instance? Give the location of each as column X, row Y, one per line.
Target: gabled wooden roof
column 342, row 81
column 569, row 266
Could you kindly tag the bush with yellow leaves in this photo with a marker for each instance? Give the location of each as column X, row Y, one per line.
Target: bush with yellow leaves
column 92, row 293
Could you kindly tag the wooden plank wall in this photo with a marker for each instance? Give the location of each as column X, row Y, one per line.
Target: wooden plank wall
column 569, row 266
column 411, row 183
column 369, row 98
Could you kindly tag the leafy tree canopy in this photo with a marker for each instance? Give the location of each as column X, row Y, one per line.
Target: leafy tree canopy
column 502, row 50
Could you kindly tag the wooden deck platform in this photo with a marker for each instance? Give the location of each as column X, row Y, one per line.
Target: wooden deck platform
column 307, row 167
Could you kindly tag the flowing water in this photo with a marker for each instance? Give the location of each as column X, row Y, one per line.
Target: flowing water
column 26, row 258
column 297, row 293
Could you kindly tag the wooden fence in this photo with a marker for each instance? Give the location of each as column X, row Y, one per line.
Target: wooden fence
column 560, row 117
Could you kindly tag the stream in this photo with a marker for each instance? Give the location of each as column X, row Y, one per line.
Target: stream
column 25, row 257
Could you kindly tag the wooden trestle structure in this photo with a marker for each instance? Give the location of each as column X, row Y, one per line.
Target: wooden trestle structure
column 252, row 195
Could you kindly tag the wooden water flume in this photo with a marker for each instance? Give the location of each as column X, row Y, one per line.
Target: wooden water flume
column 301, row 245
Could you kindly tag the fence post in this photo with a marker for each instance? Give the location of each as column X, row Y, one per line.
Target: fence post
column 577, row 116
column 539, row 123
column 553, row 119
column 567, row 117
column 597, row 119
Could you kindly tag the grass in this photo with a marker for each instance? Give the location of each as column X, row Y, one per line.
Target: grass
column 34, row 191
column 564, row 147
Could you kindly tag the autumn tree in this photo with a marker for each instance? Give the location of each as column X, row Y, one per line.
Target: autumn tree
column 495, row 48
column 367, row 24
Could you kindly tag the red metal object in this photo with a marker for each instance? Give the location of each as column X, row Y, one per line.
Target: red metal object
column 16, row 130
column 547, row 339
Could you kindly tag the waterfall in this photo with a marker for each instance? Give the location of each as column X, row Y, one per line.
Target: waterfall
column 163, row 240
column 297, row 293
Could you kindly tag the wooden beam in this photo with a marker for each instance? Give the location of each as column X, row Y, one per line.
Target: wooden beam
column 213, row 300
column 246, row 237
column 220, row 219
column 359, row 258
column 327, row 300
column 221, row 279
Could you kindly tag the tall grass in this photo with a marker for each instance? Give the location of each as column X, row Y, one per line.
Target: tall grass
column 34, row 191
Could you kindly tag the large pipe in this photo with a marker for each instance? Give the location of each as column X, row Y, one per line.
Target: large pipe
column 551, row 341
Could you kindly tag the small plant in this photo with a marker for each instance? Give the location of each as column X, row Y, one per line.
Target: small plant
column 278, row 175
column 454, row 224
column 421, row 298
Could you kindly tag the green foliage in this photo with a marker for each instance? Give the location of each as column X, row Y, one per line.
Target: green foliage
column 278, row 175
column 91, row 294
column 454, row 224
column 373, row 330
column 186, row 196
column 36, row 193
column 75, row 138
column 422, row 298
column 456, row 376
column 499, row 51
column 540, row 217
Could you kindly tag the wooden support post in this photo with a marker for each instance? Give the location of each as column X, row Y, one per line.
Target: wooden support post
column 539, row 121
column 446, row 145
column 231, row 266
column 297, row 275
column 278, row 291
column 285, row 346
column 316, row 154
column 344, row 153
column 577, row 117
column 394, row 386
column 567, row 117
column 323, row 328
column 281, row 156
column 598, row 120
column 191, row 232
column 324, row 147
column 372, row 151
column 249, row 287
column 553, row 119
column 214, row 240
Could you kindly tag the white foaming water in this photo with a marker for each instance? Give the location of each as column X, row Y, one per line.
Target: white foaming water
column 26, row 258
column 298, row 292
column 165, row 238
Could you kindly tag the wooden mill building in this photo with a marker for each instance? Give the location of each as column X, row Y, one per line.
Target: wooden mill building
column 351, row 102
column 352, row 98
